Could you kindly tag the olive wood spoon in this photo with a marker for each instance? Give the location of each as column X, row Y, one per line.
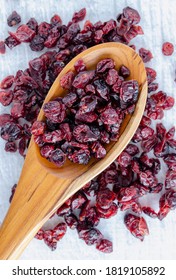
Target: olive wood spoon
column 43, row 187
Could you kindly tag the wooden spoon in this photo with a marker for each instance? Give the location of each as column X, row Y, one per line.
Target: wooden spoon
column 43, row 187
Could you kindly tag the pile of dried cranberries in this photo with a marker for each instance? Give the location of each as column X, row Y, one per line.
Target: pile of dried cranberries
column 134, row 173
column 90, row 114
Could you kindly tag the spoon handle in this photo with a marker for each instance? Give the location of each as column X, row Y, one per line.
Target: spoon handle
column 38, row 195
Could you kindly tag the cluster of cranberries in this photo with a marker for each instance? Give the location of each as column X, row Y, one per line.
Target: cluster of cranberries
column 134, row 173
column 89, row 116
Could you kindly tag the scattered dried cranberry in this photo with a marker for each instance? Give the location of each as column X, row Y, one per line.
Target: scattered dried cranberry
column 146, row 55
column 167, row 48
column 13, row 19
column 136, row 225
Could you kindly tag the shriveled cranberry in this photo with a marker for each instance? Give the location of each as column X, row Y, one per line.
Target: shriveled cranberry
column 124, row 159
column 37, row 43
column 92, row 236
column 56, row 19
column 32, row 24
column 98, row 150
column 149, row 211
column 105, row 246
column 6, row 97
column 10, row 131
column 5, row 118
column 10, row 147
column 83, row 134
column 57, row 157
column 23, row 34
column 81, row 156
column 43, row 29
column 109, row 212
column 146, row 55
column 18, row 110
column 170, row 160
column 2, row 47
column 38, row 128
column 80, row 15
column 124, row 71
column 55, row 111
column 136, row 225
column 13, row 19
column 11, row 42
column 170, row 181
column 129, row 92
column 71, row 221
column 67, row 80
column 132, row 15
column 105, row 198
column 109, row 25
column 82, row 79
column 167, row 48
column 78, row 200
column 80, row 66
column 167, row 202
column 105, row 65
column 112, row 77
column 7, row 82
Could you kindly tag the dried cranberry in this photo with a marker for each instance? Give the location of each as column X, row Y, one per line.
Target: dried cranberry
column 23, row 34
column 57, row 157
column 11, row 42
column 33, row 24
column 7, row 82
column 167, row 48
column 104, row 246
column 132, row 15
column 37, row 43
column 136, row 225
column 78, row 16
column 13, row 19
column 6, row 97
column 146, row 55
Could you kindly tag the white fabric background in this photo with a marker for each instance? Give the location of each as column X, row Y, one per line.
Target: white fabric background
column 158, row 21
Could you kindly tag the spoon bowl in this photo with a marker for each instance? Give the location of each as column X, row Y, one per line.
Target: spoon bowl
column 43, row 187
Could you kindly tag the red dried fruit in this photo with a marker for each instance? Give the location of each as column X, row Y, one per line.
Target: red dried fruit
column 11, row 42
column 149, row 211
column 13, row 19
column 167, row 48
column 105, row 65
column 170, row 181
column 10, row 147
column 71, row 221
column 23, row 34
column 32, row 24
column 167, row 202
column 136, row 225
column 7, row 82
column 6, row 97
column 146, row 55
column 55, row 111
column 38, row 128
column 131, row 15
column 5, row 118
column 78, row 16
column 57, row 157
column 67, row 80
column 105, row 198
column 2, row 47
column 82, row 79
column 104, row 246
